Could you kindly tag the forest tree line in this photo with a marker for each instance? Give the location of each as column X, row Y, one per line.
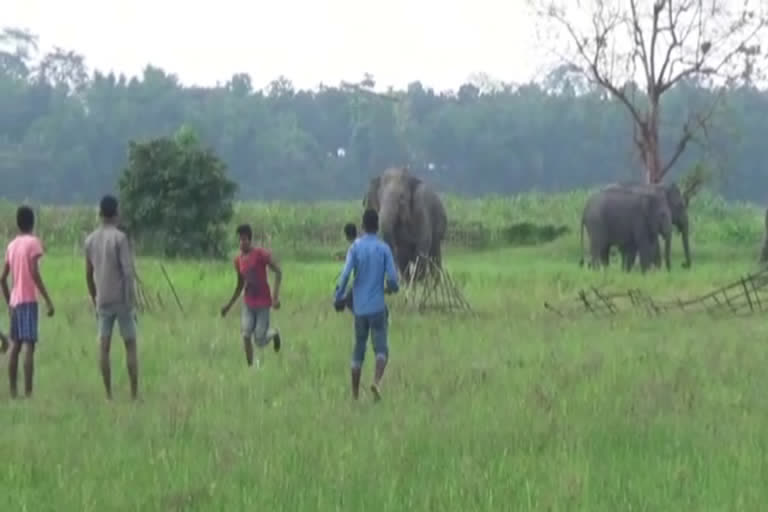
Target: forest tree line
column 65, row 129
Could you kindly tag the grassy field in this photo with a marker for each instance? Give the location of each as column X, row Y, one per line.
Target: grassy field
column 513, row 409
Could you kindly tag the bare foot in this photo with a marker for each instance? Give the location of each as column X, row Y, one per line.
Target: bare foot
column 376, row 392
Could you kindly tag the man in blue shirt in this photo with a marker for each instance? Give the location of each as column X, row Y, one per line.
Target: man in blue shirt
column 372, row 261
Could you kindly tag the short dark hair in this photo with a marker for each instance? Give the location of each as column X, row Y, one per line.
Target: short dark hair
column 245, row 229
column 108, row 207
column 350, row 230
column 370, row 221
column 25, row 218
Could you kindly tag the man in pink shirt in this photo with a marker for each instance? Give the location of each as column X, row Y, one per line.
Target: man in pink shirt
column 21, row 262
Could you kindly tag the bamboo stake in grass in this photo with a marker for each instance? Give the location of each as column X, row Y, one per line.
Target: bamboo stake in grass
column 173, row 290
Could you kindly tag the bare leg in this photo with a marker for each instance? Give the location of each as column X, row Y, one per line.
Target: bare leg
column 381, row 364
column 132, row 362
column 362, row 329
column 29, row 368
column 13, row 367
column 273, row 335
column 248, row 346
column 379, row 335
column 106, row 371
column 356, row 372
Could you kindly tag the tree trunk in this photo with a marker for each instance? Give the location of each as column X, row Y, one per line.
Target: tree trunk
column 652, row 151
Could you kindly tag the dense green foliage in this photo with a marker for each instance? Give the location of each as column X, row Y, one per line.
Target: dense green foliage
column 314, row 230
column 64, row 132
column 176, row 192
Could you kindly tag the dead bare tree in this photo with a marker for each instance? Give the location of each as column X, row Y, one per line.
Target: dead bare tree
column 659, row 44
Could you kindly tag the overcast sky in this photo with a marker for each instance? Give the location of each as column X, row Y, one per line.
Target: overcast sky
column 440, row 42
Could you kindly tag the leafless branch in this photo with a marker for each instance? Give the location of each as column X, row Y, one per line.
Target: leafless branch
column 705, row 40
column 591, row 51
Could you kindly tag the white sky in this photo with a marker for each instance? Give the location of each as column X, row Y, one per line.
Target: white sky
column 440, row 42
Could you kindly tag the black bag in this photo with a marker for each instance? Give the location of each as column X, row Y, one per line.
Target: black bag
column 345, row 303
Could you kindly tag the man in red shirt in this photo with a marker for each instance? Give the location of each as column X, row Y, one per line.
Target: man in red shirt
column 251, row 270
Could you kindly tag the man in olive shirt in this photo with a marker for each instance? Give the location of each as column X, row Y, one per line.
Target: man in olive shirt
column 110, row 275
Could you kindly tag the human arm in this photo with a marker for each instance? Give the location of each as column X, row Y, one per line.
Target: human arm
column 238, row 289
column 89, row 280
column 274, row 266
column 128, row 268
column 391, row 272
column 345, row 273
column 34, row 270
column 4, row 283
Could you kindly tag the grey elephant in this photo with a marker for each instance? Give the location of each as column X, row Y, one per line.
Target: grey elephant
column 412, row 218
column 678, row 208
column 626, row 219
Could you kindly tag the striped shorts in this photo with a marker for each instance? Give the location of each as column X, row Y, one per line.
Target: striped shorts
column 24, row 322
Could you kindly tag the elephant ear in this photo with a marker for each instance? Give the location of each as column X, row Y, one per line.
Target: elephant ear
column 676, row 200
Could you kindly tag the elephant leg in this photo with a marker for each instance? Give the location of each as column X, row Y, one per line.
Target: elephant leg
column 628, row 255
column 643, row 244
column 423, row 247
column 623, row 250
column 595, row 252
column 764, row 251
column 646, row 254
column 605, row 255
column 437, row 258
column 631, row 258
column 436, row 254
column 405, row 269
column 655, row 252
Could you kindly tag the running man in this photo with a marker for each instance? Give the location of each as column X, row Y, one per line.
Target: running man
column 22, row 260
column 371, row 260
column 251, row 270
column 110, row 276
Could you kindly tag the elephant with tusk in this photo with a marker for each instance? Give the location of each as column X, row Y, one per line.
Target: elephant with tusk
column 412, row 218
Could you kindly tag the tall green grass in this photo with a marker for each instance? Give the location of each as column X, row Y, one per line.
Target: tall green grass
column 473, row 223
column 510, row 409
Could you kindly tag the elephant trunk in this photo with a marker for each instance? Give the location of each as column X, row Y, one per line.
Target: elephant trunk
column 667, row 246
column 683, row 227
column 387, row 221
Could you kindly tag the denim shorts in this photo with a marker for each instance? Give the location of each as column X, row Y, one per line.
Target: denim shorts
column 376, row 325
column 24, row 323
column 126, row 319
column 255, row 322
